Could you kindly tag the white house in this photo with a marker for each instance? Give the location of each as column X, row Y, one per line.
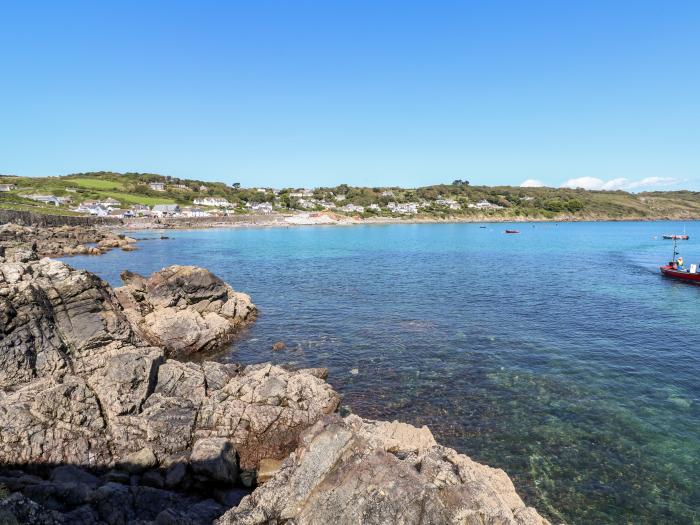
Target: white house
column 484, row 205
column 213, row 201
column 195, row 212
column 46, row 199
column 449, row 203
column 157, row 186
column 7, row 187
column 260, row 207
column 166, row 210
column 407, row 208
column 353, row 208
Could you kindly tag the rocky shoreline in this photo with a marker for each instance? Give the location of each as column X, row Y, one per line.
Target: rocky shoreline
column 102, row 422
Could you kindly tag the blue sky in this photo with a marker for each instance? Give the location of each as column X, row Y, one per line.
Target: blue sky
column 600, row 94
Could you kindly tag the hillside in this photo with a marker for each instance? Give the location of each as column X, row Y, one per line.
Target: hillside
column 439, row 201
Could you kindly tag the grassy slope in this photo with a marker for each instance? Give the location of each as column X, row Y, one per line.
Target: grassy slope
column 535, row 203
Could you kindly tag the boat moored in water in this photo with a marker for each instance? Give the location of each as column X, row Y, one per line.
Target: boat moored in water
column 676, row 237
column 512, row 231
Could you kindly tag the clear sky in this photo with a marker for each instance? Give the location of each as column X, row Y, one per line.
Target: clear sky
column 297, row 93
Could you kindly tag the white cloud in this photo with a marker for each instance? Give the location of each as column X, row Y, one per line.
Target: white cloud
column 532, row 183
column 620, row 183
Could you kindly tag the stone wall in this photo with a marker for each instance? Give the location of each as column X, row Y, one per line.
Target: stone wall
column 26, row 218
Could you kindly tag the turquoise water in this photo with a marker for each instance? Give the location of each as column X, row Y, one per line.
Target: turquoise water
column 560, row 354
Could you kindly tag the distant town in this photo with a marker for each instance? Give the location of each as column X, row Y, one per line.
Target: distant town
column 129, row 195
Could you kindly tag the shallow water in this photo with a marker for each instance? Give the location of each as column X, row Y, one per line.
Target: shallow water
column 560, row 354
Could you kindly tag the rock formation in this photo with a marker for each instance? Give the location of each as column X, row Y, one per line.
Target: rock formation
column 18, row 242
column 184, row 309
column 99, row 425
column 350, row 470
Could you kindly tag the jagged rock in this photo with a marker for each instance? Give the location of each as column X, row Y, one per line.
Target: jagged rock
column 184, row 309
column 24, row 243
column 215, row 459
column 343, row 473
column 82, row 386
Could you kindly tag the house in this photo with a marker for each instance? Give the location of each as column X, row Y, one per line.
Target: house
column 203, row 188
column 448, row 203
column 181, row 187
column 302, row 193
column 195, row 212
column 339, row 198
column 118, row 212
column 260, row 207
column 307, row 204
column 7, row 187
column 484, row 205
column 166, row 210
column 92, row 209
column 213, row 201
column 353, row 208
column 46, row 199
column 406, row 208
column 157, row 186
column 109, row 203
column 387, row 193
column 374, row 207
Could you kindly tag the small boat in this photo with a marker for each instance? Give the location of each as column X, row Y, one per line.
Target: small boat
column 670, row 270
column 482, row 226
column 512, row 231
column 675, row 269
column 676, row 237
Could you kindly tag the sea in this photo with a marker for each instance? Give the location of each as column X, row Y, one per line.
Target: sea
column 559, row 354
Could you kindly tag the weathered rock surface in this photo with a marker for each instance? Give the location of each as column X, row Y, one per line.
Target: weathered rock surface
column 81, row 387
column 18, row 242
column 184, row 309
column 352, row 471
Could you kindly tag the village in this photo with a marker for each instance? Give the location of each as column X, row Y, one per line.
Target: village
column 263, row 201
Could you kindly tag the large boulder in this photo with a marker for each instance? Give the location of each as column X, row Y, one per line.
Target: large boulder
column 352, row 471
column 184, row 309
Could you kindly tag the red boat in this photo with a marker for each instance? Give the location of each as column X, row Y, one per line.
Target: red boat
column 683, row 275
column 512, row 231
column 675, row 268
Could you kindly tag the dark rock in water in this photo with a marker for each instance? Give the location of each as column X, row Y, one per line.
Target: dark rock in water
column 279, row 345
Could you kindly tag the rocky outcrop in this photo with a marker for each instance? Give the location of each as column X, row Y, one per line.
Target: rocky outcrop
column 184, row 309
column 82, row 387
column 350, row 471
column 18, row 242
column 98, row 424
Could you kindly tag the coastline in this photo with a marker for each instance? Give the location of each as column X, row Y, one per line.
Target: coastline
column 322, row 219
column 133, row 432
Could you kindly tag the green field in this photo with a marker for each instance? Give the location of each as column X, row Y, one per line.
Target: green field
column 95, row 184
column 133, row 198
